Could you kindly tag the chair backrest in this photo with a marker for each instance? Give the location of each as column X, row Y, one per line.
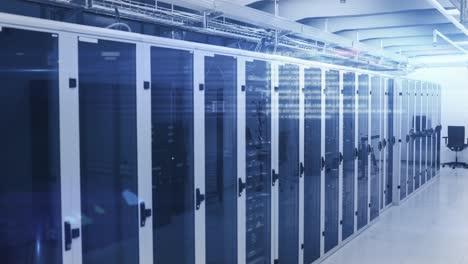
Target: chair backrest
column 456, row 137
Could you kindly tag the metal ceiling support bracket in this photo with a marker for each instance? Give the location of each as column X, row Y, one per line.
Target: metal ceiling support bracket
column 437, row 34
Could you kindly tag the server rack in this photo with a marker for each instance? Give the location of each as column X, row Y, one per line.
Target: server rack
column 376, row 157
column 312, row 164
column 404, row 139
column 349, row 155
column 389, row 143
column 424, row 119
column 363, row 95
column 197, row 148
column 288, row 161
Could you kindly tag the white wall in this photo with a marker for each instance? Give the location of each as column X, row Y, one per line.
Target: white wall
column 454, row 83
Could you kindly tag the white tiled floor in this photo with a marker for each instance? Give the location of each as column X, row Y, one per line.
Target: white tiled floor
column 429, row 228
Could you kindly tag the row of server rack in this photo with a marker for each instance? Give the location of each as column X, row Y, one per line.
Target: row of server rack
column 123, row 148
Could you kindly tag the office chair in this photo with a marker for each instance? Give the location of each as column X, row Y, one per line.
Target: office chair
column 455, row 141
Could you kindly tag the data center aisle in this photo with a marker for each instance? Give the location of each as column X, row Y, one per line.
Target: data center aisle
column 429, row 228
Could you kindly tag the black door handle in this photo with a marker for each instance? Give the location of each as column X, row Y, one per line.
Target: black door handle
column 384, row 143
column 356, row 153
column 301, row 169
column 274, row 177
column 380, row 146
column 241, row 187
column 322, row 163
column 369, row 149
column 407, row 138
column 145, row 213
column 70, row 234
column 200, row 198
column 341, row 158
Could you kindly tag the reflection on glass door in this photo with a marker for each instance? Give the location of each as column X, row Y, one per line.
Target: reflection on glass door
column 221, row 159
column 349, row 153
column 108, row 150
column 390, row 141
column 172, row 155
column 288, row 163
column 258, row 144
column 332, row 158
column 312, row 166
column 364, row 147
column 376, row 147
column 404, row 138
column 30, row 220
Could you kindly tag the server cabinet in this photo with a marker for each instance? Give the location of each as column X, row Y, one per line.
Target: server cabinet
column 108, row 152
column 424, row 119
column 389, row 142
column 439, row 125
column 350, row 154
column 258, row 188
column 430, row 134
column 288, row 163
column 417, row 133
column 375, row 147
column 221, row 159
column 172, row 134
column 434, row 131
column 404, row 138
column 411, row 146
column 30, row 193
column 332, row 159
column 364, row 151
column 312, row 164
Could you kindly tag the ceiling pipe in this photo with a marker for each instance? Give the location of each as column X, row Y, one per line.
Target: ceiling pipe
column 437, row 34
column 446, row 14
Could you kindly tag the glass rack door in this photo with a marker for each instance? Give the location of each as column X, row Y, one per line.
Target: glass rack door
column 172, row 156
column 108, row 150
column 411, row 133
column 312, row 166
column 390, row 142
column 288, row 164
column 349, row 153
column 434, row 129
column 418, row 133
column 423, row 132
column 363, row 150
column 332, row 158
column 30, row 192
column 258, row 166
column 376, row 147
column 221, row 159
column 404, row 139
